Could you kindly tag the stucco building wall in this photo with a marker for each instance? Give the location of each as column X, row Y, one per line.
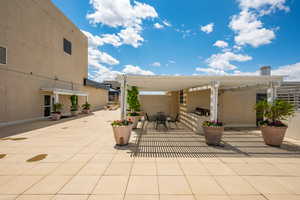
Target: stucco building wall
column 33, row 32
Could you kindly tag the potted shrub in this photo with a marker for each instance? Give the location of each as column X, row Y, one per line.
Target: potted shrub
column 74, row 105
column 56, row 114
column 86, row 108
column 272, row 127
column 134, row 106
column 122, row 131
column 213, row 131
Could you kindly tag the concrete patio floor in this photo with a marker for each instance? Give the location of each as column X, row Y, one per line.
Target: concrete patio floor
column 82, row 163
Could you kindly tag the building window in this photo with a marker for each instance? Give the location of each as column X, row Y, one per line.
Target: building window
column 67, row 46
column 181, row 97
column 3, row 55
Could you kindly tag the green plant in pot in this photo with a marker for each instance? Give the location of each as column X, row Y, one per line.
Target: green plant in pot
column 74, row 105
column 86, row 108
column 213, row 132
column 272, row 127
column 134, row 105
column 56, row 113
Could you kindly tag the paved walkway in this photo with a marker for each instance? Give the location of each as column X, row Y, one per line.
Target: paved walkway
column 79, row 161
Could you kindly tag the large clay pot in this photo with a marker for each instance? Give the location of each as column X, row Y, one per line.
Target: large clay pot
column 122, row 134
column 55, row 116
column 213, row 135
column 273, row 135
column 134, row 120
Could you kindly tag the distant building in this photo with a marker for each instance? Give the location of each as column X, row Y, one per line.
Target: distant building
column 43, row 60
column 114, row 90
column 290, row 91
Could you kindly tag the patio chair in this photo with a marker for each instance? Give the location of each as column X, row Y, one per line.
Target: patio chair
column 174, row 120
column 149, row 119
column 161, row 120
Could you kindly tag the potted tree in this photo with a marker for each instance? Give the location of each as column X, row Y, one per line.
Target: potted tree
column 213, row 131
column 74, row 105
column 272, row 127
column 134, row 105
column 56, row 114
column 86, row 108
column 122, row 131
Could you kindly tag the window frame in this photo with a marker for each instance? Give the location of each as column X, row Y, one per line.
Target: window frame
column 6, row 54
column 64, row 49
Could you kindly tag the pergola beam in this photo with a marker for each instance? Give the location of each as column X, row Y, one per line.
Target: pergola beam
column 200, row 88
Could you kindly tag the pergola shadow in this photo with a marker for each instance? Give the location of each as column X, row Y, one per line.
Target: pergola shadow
column 183, row 143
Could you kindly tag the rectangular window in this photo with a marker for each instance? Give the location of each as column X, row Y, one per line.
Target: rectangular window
column 3, row 55
column 67, row 46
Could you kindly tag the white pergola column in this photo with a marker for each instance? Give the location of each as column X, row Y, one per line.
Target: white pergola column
column 123, row 97
column 56, row 98
column 272, row 92
column 214, row 92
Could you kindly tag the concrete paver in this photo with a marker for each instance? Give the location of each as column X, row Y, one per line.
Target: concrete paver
column 82, row 163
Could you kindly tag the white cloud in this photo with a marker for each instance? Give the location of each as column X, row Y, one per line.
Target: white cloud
column 172, row 61
column 156, row 64
column 136, row 70
column 291, row 71
column 131, row 36
column 167, row 23
column 264, row 6
column 158, row 26
column 222, row 61
column 221, row 44
column 207, row 28
column 101, row 73
column 249, row 30
column 120, row 13
column 96, row 41
column 247, row 25
column 211, row 71
column 111, row 39
column 94, row 54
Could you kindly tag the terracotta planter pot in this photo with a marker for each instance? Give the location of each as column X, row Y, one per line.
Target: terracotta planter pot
column 86, row 111
column 213, row 135
column 134, row 119
column 55, row 116
column 272, row 135
column 122, row 134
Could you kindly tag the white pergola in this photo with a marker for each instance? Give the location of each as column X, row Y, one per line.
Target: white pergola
column 57, row 91
column 196, row 83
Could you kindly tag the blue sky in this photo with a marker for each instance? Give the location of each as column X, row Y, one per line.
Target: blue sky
column 188, row 37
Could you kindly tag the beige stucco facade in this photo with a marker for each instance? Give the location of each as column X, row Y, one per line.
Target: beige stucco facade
column 33, row 33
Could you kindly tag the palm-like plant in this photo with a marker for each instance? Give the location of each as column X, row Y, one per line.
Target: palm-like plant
column 86, row 106
column 275, row 112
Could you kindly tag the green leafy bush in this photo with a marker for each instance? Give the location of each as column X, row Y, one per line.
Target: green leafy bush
column 57, row 108
column 133, row 100
column 275, row 112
